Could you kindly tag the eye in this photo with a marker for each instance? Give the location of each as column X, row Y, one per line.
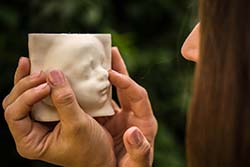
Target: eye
column 86, row 70
column 93, row 64
column 85, row 74
column 102, row 61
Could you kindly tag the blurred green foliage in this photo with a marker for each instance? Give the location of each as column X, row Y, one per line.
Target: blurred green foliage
column 149, row 34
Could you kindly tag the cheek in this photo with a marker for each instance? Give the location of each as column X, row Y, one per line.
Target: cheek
column 84, row 87
column 87, row 90
column 88, row 95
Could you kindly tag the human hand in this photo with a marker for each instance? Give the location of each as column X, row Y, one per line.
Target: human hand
column 77, row 140
column 134, row 126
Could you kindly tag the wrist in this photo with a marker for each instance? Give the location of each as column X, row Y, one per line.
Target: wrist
column 100, row 151
column 107, row 160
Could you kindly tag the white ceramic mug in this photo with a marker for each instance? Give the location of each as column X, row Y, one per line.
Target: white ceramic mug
column 85, row 60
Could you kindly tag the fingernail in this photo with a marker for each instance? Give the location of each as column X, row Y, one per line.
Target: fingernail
column 42, row 86
column 35, row 74
column 56, row 77
column 136, row 137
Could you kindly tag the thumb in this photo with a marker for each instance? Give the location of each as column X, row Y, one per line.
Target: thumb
column 138, row 148
column 63, row 97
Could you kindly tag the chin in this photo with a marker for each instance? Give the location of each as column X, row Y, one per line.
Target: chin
column 93, row 101
column 100, row 100
column 103, row 99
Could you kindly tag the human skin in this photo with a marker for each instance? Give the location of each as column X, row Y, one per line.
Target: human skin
column 128, row 115
column 191, row 47
column 134, row 117
column 133, row 128
column 74, row 142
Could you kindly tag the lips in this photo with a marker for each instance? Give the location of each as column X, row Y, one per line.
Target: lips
column 105, row 89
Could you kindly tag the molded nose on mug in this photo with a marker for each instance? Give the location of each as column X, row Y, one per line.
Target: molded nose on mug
column 102, row 74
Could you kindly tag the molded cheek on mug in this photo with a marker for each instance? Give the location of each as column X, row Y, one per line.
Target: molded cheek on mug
column 69, row 53
column 90, row 92
column 93, row 89
column 101, row 74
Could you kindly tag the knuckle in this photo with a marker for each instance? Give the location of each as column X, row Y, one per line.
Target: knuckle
column 25, row 153
column 79, row 127
column 156, row 126
column 126, row 77
column 27, row 149
column 82, row 125
column 24, row 81
column 5, row 102
column 144, row 154
column 143, row 92
column 7, row 113
column 65, row 96
column 22, row 153
column 30, row 81
column 27, row 97
column 145, row 149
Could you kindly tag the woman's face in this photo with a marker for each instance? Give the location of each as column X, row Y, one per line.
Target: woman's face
column 190, row 49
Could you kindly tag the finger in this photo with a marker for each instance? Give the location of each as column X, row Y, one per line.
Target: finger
column 23, row 85
column 23, row 69
column 117, row 62
column 105, row 119
column 135, row 96
column 17, row 114
column 102, row 120
column 64, row 98
column 115, row 106
column 138, row 148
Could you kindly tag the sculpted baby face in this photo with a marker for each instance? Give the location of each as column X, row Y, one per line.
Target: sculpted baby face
column 85, row 64
column 87, row 75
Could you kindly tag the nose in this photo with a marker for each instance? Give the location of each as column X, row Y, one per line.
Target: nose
column 102, row 74
column 191, row 47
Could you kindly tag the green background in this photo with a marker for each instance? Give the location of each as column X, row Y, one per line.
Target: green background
column 149, row 34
